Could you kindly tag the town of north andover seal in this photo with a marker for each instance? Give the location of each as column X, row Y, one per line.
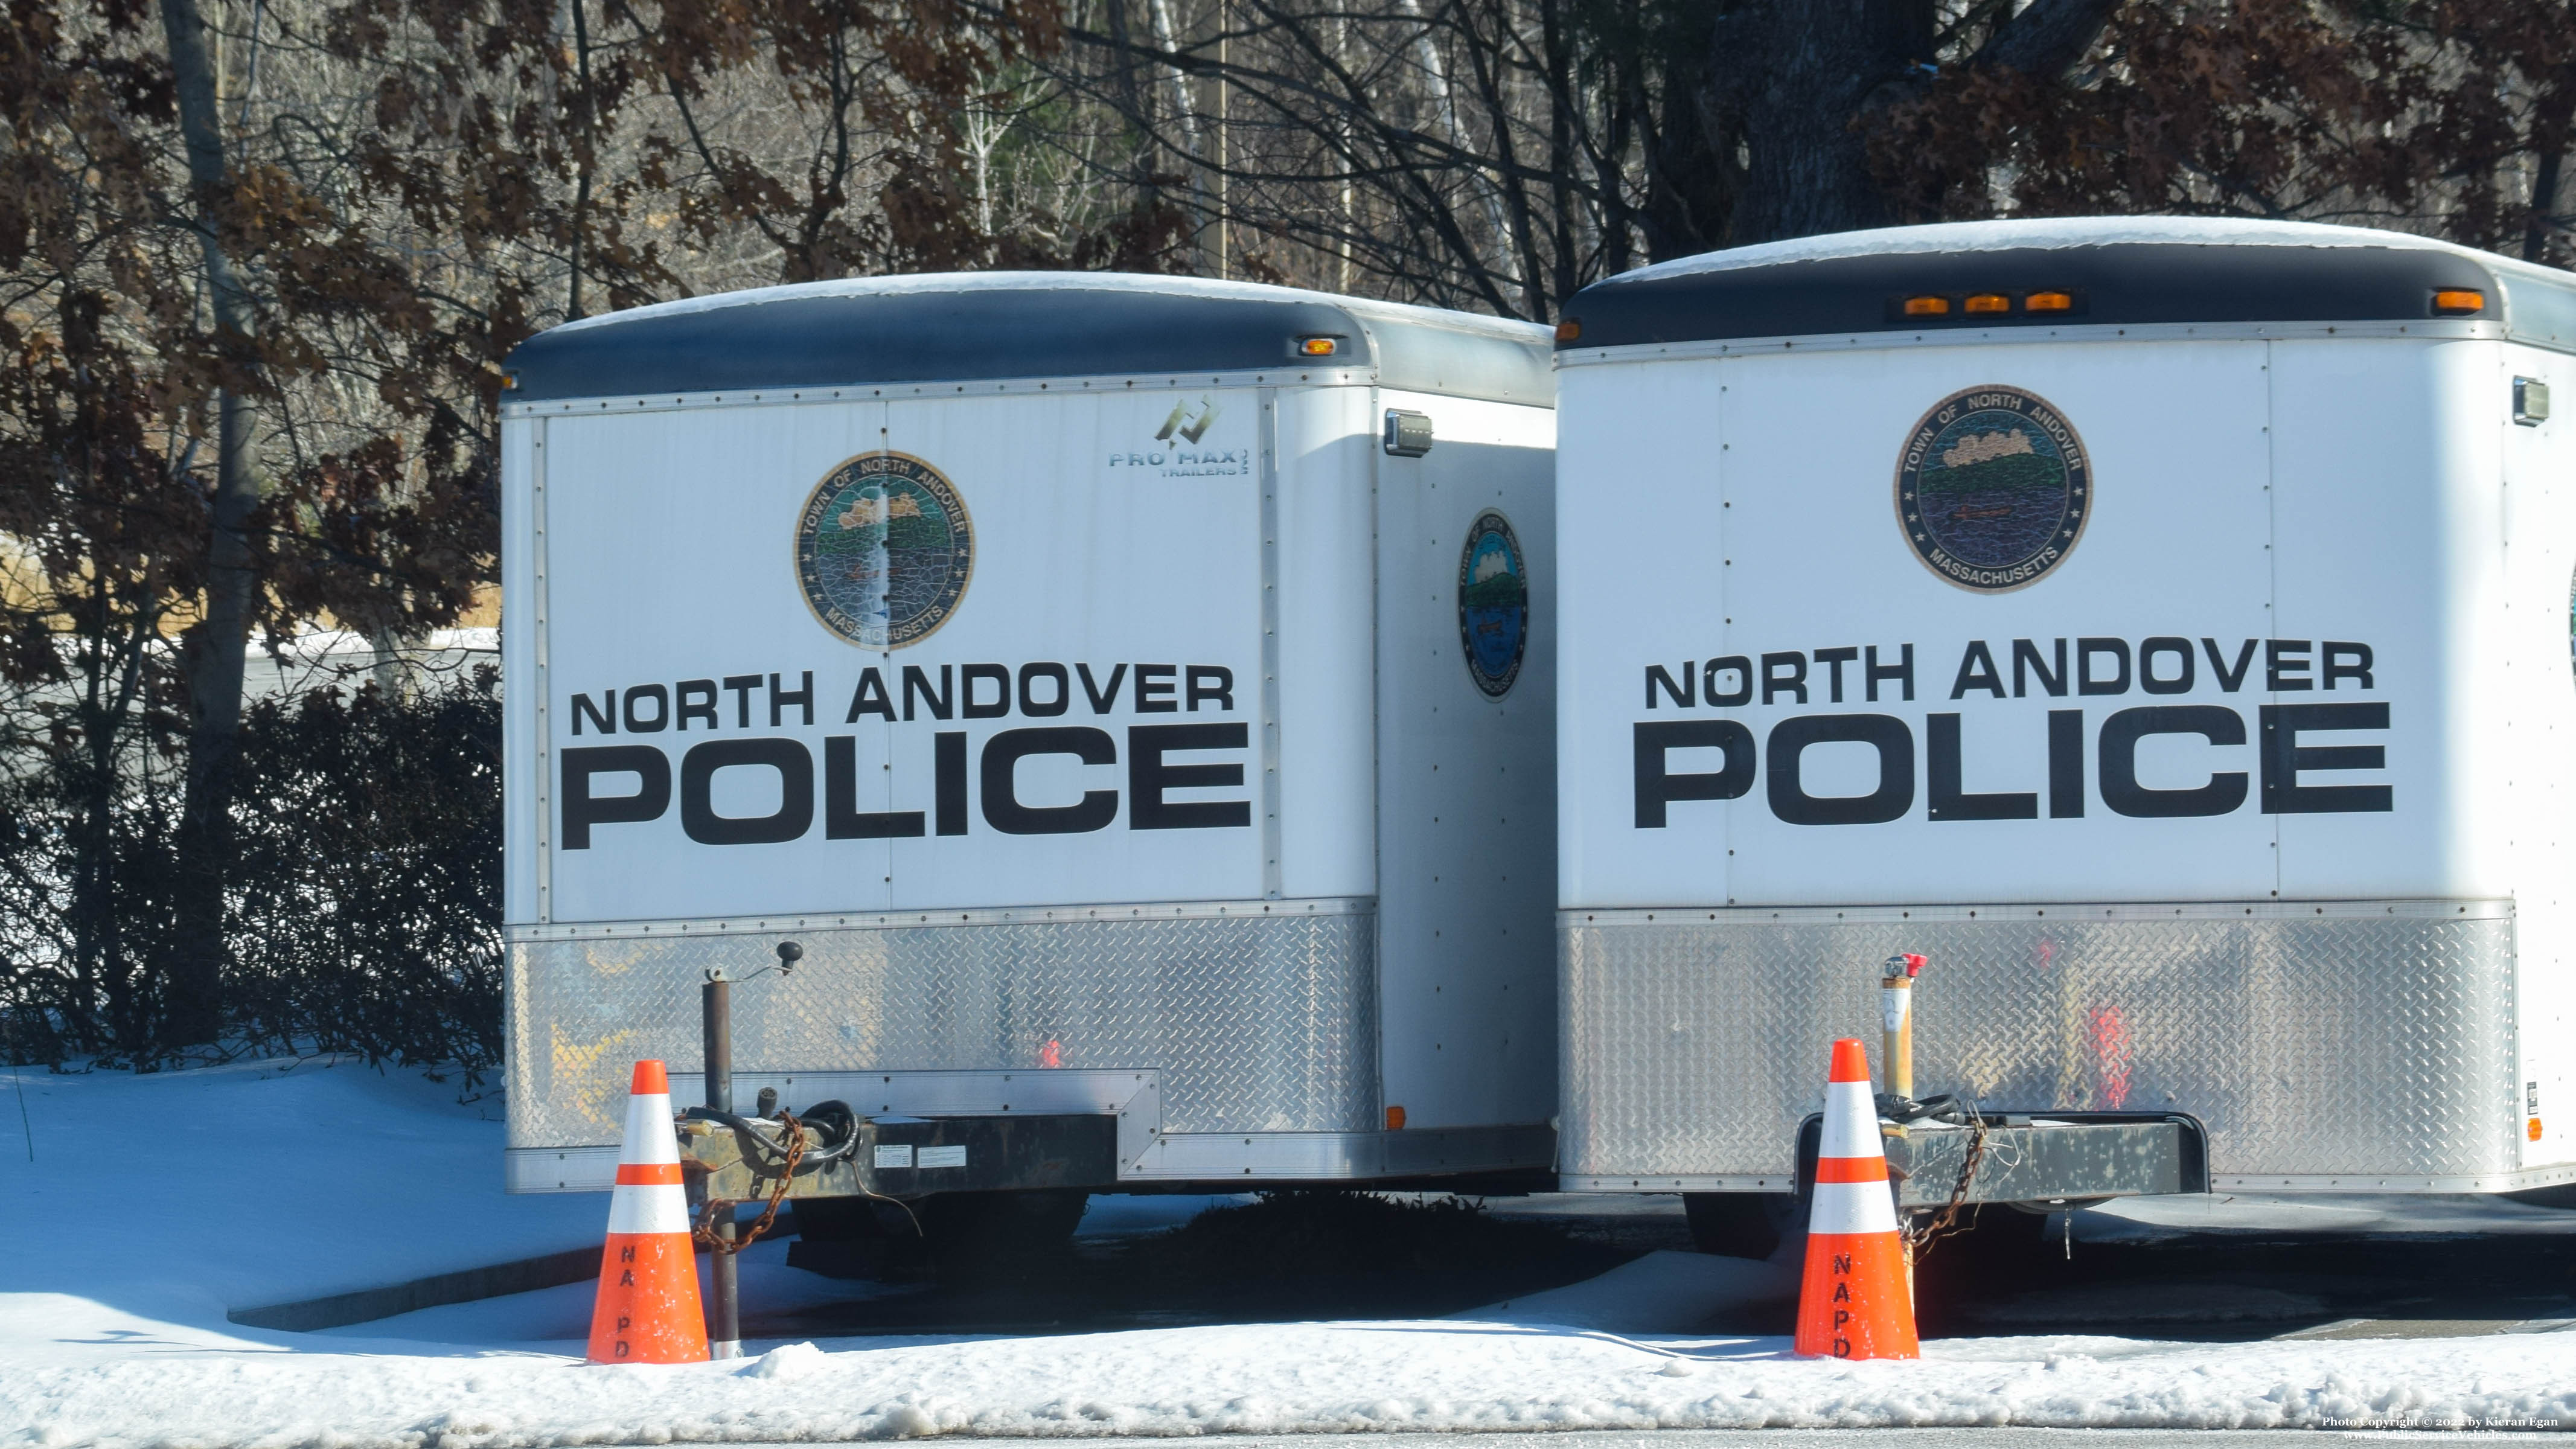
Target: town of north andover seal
column 883, row 550
column 1493, row 604
column 1993, row 489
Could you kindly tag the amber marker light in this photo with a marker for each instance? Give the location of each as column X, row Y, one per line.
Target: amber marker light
column 2458, row 302
column 1395, row 1119
column 1927, row 306
column 2048, row 302
column 1989, row 302
column 1569, row 330
column 1317, row 346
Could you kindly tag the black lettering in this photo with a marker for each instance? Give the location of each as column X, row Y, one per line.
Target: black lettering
column 1842, row 1263
column 742, row 685
column 2285, row 665
column 2284, row 758
column 2066, row 764
column 1154, row 689
column 1945, row 800
column 915, row 682
column 1210, row 682
column 842, row 817
column 696, row 700
column 1977, row 671
column 780, row 699
column 1002, row 755
column 1741, row 694
column 2228, row 679
column 1784, row 673
column 996, row 675
column 625, row 1254
column 2336, row 667
column 2026, row 657
column 1148, row 777
column 1036, row 708
column 2117, row 770
column 2086, row 650
column 1842, row 1348
column 1874, row 674
column 636, row 724
column 795, row 812
column 582, row 809
column 1684, row 693
column 1105, row 696
column 602, row 712
column 1836, row 658
column 1884, row 732
column 870, row 698
column 2147, row 677
column 948, row 781
column 1656, row 787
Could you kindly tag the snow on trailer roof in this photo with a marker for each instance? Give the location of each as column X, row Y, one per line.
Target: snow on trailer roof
column 2113, row 271
column 969, row 327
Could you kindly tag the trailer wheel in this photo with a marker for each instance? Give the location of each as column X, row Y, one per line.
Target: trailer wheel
column 851, row 1237
column 2000, row 1251
column 1739, row 1224
column 987, row 1235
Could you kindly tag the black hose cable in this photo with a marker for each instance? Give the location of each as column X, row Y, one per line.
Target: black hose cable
column 833, row 1122
column 1941, row 1108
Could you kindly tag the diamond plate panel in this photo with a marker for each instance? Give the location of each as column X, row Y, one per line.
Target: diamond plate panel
column 2357, row 1039
column 1265, row 1024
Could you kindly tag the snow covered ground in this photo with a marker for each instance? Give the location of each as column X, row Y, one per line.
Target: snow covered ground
column 307, row 1181
column 182, row 1195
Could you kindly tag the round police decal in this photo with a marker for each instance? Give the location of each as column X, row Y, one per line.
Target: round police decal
column 884, row 549
column 1993, row 489
column 1493, row 604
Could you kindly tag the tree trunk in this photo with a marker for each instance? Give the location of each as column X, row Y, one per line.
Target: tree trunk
column 1799, row 74
column 213, row 657
column 1800, row 78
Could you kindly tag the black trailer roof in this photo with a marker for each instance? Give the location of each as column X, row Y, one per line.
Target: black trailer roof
column 2116, row 271
column 969, row 327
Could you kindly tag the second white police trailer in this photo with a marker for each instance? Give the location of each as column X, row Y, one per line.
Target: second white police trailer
column 1132, row 695
column 2162, row 625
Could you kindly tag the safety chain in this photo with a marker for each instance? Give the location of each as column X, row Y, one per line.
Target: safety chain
column 704, row 1230
column 1945, row 1223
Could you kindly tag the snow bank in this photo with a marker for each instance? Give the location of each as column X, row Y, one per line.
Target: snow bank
column 1279, row 1379
column 270, row 1182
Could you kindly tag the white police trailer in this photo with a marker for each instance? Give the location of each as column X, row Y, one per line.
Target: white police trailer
column 1128, row 703
column 2160, row 624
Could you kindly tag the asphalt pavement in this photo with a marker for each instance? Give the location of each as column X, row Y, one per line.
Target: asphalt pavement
column 2224, row 1269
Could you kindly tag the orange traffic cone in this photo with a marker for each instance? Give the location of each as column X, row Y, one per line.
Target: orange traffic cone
column 647, row 1311
column 1855, row 1302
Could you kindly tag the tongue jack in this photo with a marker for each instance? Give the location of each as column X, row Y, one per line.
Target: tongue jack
column 1896, row 1012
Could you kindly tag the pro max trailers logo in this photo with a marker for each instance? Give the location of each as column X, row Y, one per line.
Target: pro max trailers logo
column 884, row 549
column 1993, row 489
